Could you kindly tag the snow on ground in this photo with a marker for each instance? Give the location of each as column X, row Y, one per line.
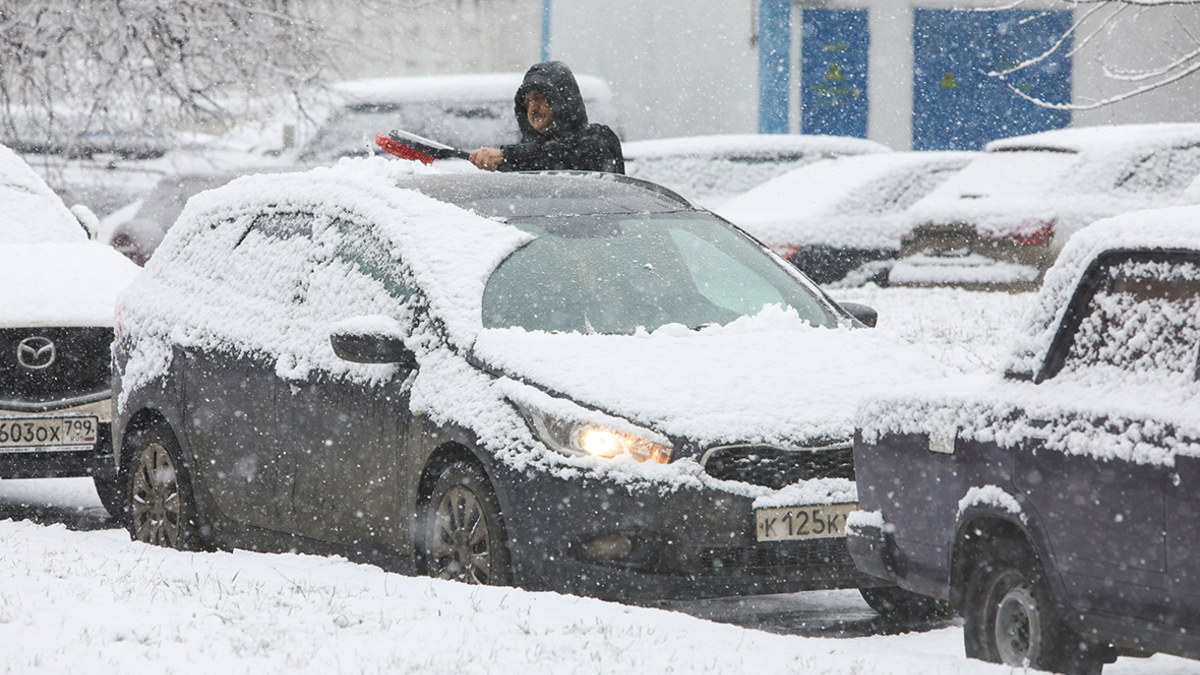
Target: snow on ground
column 76, row 596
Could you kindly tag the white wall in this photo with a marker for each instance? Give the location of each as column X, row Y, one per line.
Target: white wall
column 677, row 67
column 433, row 36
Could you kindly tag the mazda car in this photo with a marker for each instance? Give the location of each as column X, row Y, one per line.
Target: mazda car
column 56, row 331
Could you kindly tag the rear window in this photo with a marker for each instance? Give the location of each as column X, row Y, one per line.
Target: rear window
column 1140, row 320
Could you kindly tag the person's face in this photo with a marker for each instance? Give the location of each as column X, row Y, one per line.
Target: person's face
column 538, row 111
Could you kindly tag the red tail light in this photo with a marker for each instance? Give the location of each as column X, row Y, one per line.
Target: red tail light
column 1037, row 233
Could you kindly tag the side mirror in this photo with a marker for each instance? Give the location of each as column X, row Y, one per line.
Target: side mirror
column 87, row 220
column 866, row 315
column 371, row 339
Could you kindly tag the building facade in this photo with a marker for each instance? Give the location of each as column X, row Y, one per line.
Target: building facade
column 913, row 75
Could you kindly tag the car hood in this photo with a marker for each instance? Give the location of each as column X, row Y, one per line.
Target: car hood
column 764, row 379
column 62, row 284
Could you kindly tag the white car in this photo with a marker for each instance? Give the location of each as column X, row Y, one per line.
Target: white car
column 56, row 330
column 1001, row 221
column 842, row 219
column 464, row 111
column 711, row 170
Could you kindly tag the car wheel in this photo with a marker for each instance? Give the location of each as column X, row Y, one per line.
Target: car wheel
column 1009, row 617
column 108, row 488
column 901, row 606
column 464, row 532
column 161, row 508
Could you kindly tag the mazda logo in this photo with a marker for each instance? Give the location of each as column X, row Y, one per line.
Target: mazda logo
column 36, row 353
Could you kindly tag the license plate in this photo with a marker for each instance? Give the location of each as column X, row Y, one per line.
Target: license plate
column 802, row 522
column 52, row 433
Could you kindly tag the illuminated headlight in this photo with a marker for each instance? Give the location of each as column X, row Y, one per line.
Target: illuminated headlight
column 582, row 438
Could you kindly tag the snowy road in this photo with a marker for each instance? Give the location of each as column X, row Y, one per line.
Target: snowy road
column 76, row 596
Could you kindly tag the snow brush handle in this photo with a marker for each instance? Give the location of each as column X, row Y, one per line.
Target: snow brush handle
column 410, row 146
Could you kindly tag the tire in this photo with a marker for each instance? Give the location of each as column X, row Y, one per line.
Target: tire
column 464, row 537
column 900, row 606
column 162, row 510
column 1009, row 616
column 108, row 488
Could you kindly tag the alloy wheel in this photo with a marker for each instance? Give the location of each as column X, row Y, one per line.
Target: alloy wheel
column 460, row 548
column 157, row 507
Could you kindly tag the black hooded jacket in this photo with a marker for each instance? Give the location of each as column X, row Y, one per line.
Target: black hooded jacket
column 570, row 142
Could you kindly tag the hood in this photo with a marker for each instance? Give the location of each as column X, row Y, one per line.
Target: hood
column 766, row 379
column 62, row 284
column 554, row 80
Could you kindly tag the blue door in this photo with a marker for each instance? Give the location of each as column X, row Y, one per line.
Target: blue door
column 956, row 104
column 833, row 72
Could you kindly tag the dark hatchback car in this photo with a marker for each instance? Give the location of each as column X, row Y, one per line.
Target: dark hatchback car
column 559, row 381
column 59, row 288
column 1059, row 509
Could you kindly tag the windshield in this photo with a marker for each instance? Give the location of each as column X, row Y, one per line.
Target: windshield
column 615, row 274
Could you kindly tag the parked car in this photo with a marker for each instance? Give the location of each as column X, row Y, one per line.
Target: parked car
column 464, row 111
column 711, row 170
column 842, row 219
column 137, row 234
column 59, row 289
column 560, row 381
column 1001, row 221
column 1058, row 507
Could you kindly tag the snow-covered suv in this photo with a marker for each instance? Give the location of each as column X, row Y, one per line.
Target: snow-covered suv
column 56, row 319
column 1059, row 507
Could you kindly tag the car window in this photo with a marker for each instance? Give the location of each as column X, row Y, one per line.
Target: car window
column 610, row 274
column 1141, row 319
column 1168, row 170
column 364, row 250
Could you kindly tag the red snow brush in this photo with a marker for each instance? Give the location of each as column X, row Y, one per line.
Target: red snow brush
column 411, row 146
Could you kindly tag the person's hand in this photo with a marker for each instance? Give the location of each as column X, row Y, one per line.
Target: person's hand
column 487, row 158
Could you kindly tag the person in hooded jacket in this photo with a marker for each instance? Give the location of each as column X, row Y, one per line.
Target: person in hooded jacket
column 555, row 133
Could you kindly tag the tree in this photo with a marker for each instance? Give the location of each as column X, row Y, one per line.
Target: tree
column 81, row 74
column 1162, row 59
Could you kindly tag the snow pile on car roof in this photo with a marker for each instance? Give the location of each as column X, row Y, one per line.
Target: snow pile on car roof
column 1066, row 179
column 32, row 212
column 863, row 194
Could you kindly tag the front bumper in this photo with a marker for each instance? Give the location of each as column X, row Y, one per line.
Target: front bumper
column 872, row 551
column 96, row 461
column 597, row 538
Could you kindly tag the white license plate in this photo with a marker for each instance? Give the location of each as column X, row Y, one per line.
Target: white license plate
column 802, row 522
column 48, row 433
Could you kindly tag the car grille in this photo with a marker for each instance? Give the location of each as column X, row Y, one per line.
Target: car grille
column 775, row 467
column 79, row 367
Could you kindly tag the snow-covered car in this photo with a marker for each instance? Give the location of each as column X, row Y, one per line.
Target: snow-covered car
column 1058, row 507
column 711, row 170
column 1000, row 222
column 137, row 234
column 56, row 331
column 842, row 219
column 562, row 381
column 464, row 111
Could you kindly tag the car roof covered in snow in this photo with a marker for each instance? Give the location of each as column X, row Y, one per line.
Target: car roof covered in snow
column 1104, row 138
column 752, row 146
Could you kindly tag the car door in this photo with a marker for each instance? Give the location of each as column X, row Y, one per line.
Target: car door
column 229, row 384
column 1103, row 500
column 345, row 428
column 1183, row 539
